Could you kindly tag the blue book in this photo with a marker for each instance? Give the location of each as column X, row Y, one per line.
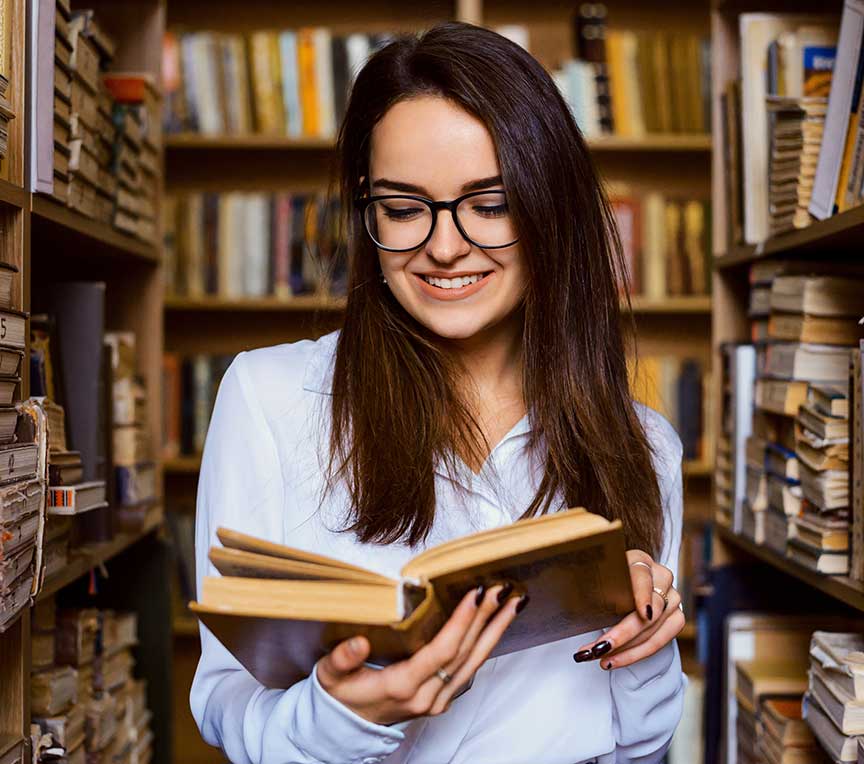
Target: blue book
column 290, row 83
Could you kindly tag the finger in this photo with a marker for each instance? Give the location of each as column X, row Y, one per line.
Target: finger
column 490, row 601
column 642, row 579
column 625, row 630
column 670, row 629
column 439, row 651
column 346, row 657
column 650, row 630
column 485, row 644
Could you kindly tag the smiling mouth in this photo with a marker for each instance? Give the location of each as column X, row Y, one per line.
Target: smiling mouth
column 456, row 282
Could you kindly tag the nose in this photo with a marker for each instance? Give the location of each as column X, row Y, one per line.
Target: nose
column 446, row 243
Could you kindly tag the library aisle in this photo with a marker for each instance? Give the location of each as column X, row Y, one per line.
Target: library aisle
column 166, row 202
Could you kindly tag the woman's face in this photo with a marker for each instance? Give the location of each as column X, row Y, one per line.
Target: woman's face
column 430, row 147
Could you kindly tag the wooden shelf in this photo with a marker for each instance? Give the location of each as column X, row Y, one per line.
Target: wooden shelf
column 8, row 742
column 695, row 304
column 182, row 465
column 686, row 304
column 840, row 588
column 52, row 214
column 12, row 194
column 300, row 303
column 688, row 633
column 185, row 626
column 256, row 142
column 698, row 469
column 838, row 235
column 248, row 142
column 660, row 142
column 92, row 555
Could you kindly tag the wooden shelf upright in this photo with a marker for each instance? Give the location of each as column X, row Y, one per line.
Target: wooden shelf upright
column 49, row 242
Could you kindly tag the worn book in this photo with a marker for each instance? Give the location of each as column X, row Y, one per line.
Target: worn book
column 278, row 609
column 817, row 295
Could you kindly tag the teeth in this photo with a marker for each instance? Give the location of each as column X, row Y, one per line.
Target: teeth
column 454, row 283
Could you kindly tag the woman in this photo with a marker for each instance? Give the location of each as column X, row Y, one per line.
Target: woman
column 480, row 377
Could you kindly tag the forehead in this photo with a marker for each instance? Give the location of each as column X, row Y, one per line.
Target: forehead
column 432, row 142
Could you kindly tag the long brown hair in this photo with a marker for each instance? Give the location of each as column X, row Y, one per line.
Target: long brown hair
column 396, row 410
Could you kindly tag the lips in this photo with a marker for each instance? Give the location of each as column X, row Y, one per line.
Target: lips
column 444, row 293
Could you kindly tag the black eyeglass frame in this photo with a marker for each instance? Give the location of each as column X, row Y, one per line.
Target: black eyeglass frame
column 363, row 202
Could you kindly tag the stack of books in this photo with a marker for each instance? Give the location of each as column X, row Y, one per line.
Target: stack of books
column 243, row 244
column 619, row 80
column 289, row 82
column 796, row 126
column 134, row 469
column 136, row 164
column 91, row 51
column 819, row 537
column 665, row 243
column 85, row 703
column 834, row 705
column 784, row 735
column 757, row 683
column 803, row 328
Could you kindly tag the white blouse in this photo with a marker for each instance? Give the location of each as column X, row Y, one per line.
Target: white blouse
column 262, row 473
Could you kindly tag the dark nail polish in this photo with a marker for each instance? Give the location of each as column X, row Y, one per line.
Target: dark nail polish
column 582, row 656
column 601, row 648
column 649, row 611
column 505, row 592
column 481, row 592
column 608, row 665
column 523, row 601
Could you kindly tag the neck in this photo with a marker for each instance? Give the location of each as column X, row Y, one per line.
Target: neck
column 492, row 360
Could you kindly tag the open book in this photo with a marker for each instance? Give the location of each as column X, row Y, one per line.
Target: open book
column 278, row 609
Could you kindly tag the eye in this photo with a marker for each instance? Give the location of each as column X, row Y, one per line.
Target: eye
column 401, row 213
column 491, row 210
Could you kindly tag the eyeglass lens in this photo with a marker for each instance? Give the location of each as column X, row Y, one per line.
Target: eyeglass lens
column 404, row 223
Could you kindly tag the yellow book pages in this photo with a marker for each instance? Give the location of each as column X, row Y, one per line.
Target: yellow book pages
column 307, row 81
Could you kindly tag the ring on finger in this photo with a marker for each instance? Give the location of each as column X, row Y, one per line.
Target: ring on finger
column 664, row 596
column 443, row 675
column 639, row 562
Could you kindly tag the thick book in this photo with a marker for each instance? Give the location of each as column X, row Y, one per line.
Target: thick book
column 824, row 330
column 818, row 295
column 76, row 499
column 278, row 609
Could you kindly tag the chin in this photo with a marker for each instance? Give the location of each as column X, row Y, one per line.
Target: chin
column 456, row 327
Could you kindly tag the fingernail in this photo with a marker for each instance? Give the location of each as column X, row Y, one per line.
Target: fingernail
column 355, row 644
column 523, row 601
column 649, row 611
column 481, row 592
column 607, row 665
column 582, row 656
column 505, row 592
column 601, row 648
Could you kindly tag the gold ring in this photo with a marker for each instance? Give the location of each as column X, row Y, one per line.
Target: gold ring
column 664, row 596
column 443, row 675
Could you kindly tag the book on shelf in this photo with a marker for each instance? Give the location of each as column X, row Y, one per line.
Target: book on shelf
column 836, row 160
column 245, row 244
column 855, row 458
column 665, row 242
column 301, row 604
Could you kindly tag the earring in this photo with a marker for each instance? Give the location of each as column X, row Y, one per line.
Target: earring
column 383, row 279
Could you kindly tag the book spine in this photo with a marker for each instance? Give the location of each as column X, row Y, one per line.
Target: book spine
column 856, row 457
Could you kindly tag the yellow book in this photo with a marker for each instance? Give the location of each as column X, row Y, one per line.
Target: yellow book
column 279, row 609
column 616, row 62
column 277, row 106
column 308, row 83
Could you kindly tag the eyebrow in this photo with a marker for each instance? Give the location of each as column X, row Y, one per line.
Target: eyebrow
column 410, row 188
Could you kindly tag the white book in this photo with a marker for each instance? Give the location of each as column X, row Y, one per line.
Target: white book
column 209, row 116
column 76, row 499
column 357, row 47
column 257, row 255
column 839, row 106
column 40, row 99
column 290, row 83
column 239, row 248
column 838, row 745
column 742, row 369
column 324, row 81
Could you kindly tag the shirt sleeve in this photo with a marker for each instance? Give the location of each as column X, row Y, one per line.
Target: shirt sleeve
column 241, row 487
column 648, row 696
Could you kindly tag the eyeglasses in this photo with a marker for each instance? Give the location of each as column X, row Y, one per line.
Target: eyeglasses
column 402, row 222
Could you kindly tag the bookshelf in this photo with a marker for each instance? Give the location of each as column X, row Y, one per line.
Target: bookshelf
column 49, row 242
column 679, row 163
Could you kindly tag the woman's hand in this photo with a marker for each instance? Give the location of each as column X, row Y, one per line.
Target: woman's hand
column 415, row 687
column 651, row 626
